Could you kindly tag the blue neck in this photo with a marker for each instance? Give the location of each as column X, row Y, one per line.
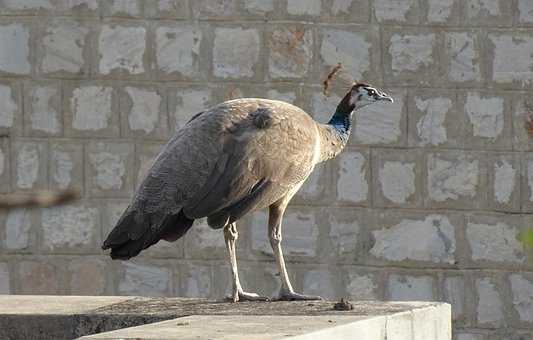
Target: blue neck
column 341, row 122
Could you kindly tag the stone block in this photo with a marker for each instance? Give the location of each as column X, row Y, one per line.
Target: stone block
column 15, row 53
column 30, row 165
column 321, row 282
column 29, row 7
column 442, row 12
column 516, row 47
column 43, row 110
column 5, row 178
column 525, row 13
column 504, row 183
column 144, row 158
column 66, row 165
column 300, row 235
column 522, row 117
column 396, row 11
column 195, row 280
column 121, row 50
column 87, row 277
column 470, row 336
column 344, row 240
column 488, row 12
column 258, row 7
column 353, row 11
column 108, row 172
column 91, row 110
column 522, row 293
column 462, row 57
column 145, row 279
column 178, row 51
column 167, row 9
column 284, row 94
column 398, row 177
column 382, row 123
column 203, row 242
column 36, row 277
column 10, row 108
column 64, row 49
column 392, row 238
column 290, row 51
column 261, row 278
column 185, row 103
column 434, row 119
column 455, row 179
column 488, row 120
column 353, row 175
column 144, row 112
column 236, row 52
column 489, row 311
column 304, row 8
column 20, row 234
column 123, row 8
column 454, row 292
column 495, row 239
column 527, row 182
column 362, row 284
column 214, row 9
column 70, row 228
column 411, row 55
column 85, row 8
column 402, row 287
column 356, row 50
column 5, row 286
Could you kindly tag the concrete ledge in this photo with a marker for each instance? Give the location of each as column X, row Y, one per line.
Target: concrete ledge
column 69, row 317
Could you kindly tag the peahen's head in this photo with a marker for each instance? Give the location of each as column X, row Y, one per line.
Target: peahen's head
column 361, row 95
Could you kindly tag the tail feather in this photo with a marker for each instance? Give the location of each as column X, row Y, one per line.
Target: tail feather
column 134, row 233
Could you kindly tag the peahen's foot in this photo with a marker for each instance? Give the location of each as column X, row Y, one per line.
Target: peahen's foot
column 292, row 296
column 245, row 296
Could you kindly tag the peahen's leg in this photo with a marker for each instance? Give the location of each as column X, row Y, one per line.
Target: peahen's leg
column 274, row 233
column 230, row 236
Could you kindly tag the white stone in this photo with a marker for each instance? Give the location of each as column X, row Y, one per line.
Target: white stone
column 91, row 4
column 435, row 240
column 8, row 106
column 4, row 279
column 397, row 181
column 339, row 6
column 319, row 282
column 393, row 9
column 351, row 49
column 178, row 49
column 259, row 6
column 522, row 289
column 439, row 10
column 129, row 7
column 110, row 169
column 28, row 4
column 290, row 52
column 464, row 63
column 235, row 52
column 144, row 280
column 43, row 116
column 430, row 127
column 15, row 51
column 63, row 47
column 196, row 282
column 504, row 181
column 513, row 48
column 190, row 102
column 494, row 242
column 410, row 288
column 343, row 236
column 452, row 179
column 490, row 307
column 18, row 227
column 303, row 7
column 351, row 183
column 485, row 115
column 300, row 234
column 361, row 287
column 379, row 123
column 525, row 10
column 122, row 48
column 64, row 167
column 410, row 52
column 289, row 97
column 480, row 7
column 69, row 226
column 28, row 159
column 144, row 113
column 91, row 107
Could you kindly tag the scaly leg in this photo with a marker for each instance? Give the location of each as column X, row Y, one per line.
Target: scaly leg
column 274, row 233
column 230, row 237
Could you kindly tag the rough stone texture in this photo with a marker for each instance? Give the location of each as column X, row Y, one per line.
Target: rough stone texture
column 433, row 193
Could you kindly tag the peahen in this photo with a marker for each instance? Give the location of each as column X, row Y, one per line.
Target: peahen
column 236, row 157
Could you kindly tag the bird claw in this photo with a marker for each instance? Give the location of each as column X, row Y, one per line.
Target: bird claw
column 245, row 296
column 292, row 296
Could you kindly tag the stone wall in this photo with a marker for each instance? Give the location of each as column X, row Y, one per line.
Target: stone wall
column 428, row 202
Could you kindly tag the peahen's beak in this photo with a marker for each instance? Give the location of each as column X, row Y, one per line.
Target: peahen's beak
column 385, row 97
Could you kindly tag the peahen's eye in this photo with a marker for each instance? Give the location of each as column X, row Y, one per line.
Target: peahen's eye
column 371, row 92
